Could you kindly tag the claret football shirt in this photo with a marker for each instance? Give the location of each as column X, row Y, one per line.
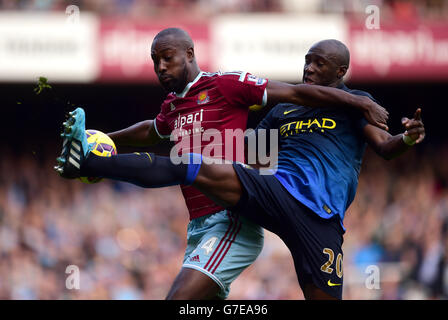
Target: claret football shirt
column 210, row 117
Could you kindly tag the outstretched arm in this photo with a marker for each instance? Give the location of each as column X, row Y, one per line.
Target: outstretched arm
column 320, row 96
column 140, row 134
column 388, row 146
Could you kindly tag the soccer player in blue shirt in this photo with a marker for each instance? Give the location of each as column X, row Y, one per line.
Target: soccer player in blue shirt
column 304, row 201
column 319, row 161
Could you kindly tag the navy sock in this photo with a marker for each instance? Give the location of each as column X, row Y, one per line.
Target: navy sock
column 143, row 169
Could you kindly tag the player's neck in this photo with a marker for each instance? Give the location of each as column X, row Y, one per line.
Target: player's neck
column 193, row 73
column 337, row 84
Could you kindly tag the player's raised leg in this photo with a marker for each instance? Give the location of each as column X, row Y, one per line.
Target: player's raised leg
column 218, row 181
column 146, row 170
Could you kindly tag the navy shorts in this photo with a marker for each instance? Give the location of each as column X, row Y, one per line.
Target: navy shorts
column 315, row 243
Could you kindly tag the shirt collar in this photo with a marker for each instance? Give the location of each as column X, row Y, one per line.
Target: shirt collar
column 342, row 86
column 189, row 85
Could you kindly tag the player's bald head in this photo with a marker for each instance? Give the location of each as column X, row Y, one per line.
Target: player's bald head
column 333, row 50
column 174, row 60
column 326, row 63
column 175, row 37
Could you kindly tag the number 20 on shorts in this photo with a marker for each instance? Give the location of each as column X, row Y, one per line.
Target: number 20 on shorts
column 326, row 267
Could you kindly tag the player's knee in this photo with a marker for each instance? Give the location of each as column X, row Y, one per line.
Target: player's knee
column 220, row 183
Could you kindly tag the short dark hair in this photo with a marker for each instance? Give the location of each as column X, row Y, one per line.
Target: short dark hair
column 179, row 34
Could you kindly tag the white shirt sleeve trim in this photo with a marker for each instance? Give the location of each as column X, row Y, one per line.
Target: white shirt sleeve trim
column 265, row 98
column 242, row 76
column 158, row 133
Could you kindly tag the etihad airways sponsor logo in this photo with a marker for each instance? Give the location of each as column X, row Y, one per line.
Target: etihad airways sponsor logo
column 309, row 125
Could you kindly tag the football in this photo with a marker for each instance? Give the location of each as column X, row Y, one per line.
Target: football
column 102, row 146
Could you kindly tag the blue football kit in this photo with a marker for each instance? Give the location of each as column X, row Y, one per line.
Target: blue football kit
column 313, row 184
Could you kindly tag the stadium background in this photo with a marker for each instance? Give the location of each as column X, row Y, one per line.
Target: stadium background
column 129, row 242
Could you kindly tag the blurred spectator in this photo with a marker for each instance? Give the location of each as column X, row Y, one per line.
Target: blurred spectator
column 395, row 10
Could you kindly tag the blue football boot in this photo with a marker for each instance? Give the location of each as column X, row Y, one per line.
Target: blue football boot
column 75, row 147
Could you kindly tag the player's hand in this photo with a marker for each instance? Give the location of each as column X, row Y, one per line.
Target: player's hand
column 374, row 113
column 414, row 128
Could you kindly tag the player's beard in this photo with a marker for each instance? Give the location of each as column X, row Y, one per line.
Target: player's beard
column 176, row 84
column 180, row 83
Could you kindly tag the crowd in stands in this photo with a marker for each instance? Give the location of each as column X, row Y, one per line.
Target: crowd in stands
column 391, row 9
column 128, row 242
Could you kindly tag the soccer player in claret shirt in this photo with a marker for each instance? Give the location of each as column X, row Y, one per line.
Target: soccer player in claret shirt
column 220, row 244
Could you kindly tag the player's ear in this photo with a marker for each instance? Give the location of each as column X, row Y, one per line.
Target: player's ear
column 190, row 54
column 342, row 71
